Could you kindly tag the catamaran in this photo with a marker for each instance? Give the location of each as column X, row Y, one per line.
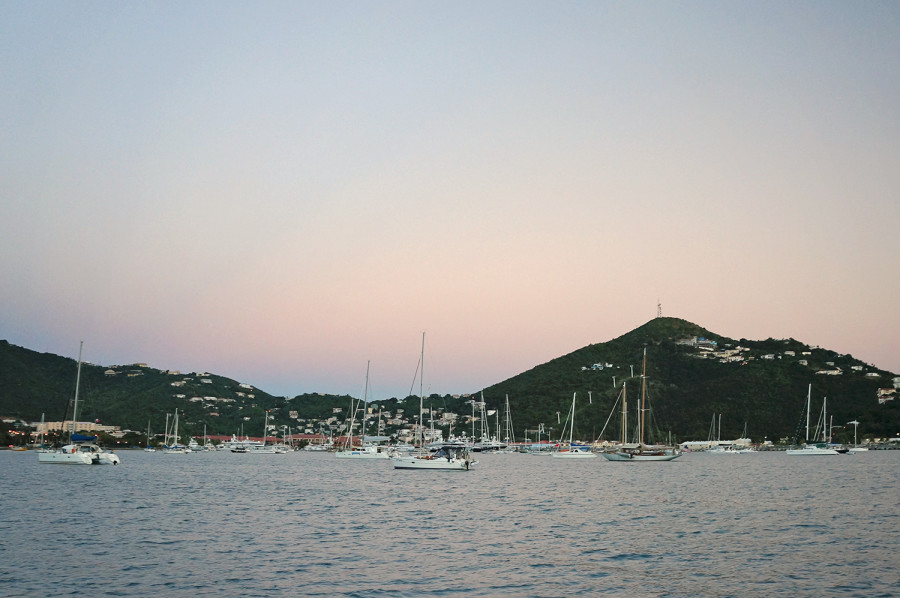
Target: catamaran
column 81, row 450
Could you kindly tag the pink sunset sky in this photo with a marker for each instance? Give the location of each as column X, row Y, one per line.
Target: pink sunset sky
column 279, row 192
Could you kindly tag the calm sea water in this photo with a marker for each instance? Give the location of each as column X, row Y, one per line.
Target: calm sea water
column 308, row 524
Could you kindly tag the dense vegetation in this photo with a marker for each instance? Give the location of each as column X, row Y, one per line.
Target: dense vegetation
column 685, row 387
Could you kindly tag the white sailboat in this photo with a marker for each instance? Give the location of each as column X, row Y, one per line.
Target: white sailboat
column 449, row 455
column 366, row 450
column 81, row 450
column 508, row 437
column 572, row 451
column 148, row 448
column 640, row 451
column 808, row 450
column 856, row 448
column 265, row 448
column 176, row 448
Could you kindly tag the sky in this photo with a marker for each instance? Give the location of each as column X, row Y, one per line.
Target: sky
column 285, row 192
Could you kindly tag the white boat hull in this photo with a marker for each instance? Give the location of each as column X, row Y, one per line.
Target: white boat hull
column 810, row 451
column 79, row 454
column 574, row 455
column 360, row 455
column 63, row 458
column 632, row 457
column 432, row 463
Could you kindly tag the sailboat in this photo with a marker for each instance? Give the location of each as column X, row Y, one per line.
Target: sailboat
column 817, row 448
column 148, row 448
column 447, row 455
column 640, row 451
column 366, row 450
column 176, row 448
column 265, row 448
column 81, row 450
column 573, row 451
column 508, row 438
column 855, row 448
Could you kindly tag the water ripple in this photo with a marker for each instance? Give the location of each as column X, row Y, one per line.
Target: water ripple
column 305, row 524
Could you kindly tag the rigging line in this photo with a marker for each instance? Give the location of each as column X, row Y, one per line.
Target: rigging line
column 416, row 375
column 613, row 410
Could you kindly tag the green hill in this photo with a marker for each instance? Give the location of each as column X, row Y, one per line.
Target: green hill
column 129, row 396
column 692, row 375
column 758, row 384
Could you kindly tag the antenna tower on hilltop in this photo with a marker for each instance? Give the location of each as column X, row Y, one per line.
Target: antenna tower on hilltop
column 658, row 309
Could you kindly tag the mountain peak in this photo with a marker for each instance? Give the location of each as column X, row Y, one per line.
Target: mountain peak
column 665, row 328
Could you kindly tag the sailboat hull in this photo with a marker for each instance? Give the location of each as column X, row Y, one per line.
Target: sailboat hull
column 574, row 455
column 65, row 458
column 360, row 455
column 435, row 463
column 811, row 451
column 632, row 457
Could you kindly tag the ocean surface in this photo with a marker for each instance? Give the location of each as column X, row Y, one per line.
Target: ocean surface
column 309, row 524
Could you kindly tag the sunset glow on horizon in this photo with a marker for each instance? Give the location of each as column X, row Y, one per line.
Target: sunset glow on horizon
column 280, row 192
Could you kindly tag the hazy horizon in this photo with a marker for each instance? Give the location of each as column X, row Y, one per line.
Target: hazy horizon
column 279, row 192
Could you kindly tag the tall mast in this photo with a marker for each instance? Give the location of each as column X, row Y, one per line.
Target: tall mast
column 265, row 427
column 643, row 392
column 808, row 405
column 77, row 384
column 422, row 391
column 572, row 423
column 365, row 406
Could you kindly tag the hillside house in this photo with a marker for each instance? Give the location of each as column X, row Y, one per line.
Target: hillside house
column 886, row 394
column 834, row 372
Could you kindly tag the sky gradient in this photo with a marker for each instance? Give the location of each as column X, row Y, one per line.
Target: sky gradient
column 279, row 192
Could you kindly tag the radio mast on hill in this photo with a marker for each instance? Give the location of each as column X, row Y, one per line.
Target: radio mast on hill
column 658, row 309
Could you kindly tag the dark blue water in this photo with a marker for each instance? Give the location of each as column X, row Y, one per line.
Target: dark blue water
column 308, row 524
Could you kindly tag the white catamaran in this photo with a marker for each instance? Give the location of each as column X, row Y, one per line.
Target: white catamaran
column 81, row 450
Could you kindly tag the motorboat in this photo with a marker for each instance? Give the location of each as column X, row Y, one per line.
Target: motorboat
column 449, row 456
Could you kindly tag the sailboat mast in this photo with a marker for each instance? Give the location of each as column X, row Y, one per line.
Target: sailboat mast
column 77, row 384
column 624, row 416
column 422, row 391
column 643, row 393
column 808, row 405
column 365, row 406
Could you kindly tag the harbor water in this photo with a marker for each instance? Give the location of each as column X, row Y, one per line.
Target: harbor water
column 308, row 524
